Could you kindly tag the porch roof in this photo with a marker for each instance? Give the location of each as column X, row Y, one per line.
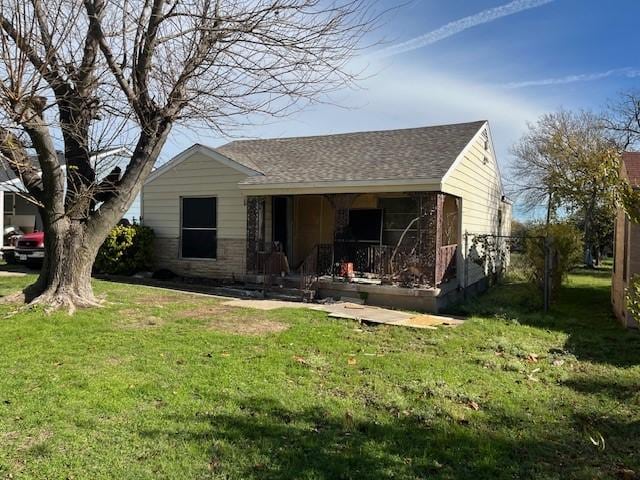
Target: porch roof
column 384, row 158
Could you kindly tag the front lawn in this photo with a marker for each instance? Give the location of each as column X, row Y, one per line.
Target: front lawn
column 168, row 385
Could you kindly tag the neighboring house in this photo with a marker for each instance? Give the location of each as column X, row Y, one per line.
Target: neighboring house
column 626, row 262
column 23, row 214
column 393, row 206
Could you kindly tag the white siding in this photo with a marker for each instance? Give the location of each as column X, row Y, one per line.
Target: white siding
column 476, row 180
column 195, row 176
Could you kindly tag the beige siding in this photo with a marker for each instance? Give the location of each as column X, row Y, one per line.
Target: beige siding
column 629, row 233
column 477, row 182
column 198, row 175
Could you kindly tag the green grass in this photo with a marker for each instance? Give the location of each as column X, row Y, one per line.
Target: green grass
column 163, row 385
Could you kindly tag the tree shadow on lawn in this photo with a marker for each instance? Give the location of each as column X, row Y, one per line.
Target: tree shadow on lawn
column 583, row 312
column 268, row 441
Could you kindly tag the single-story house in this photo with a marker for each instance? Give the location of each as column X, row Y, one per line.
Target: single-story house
column 23, row 214
column 385, row 210
column 626, row 256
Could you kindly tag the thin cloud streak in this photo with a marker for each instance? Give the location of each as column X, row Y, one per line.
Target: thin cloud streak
column 458, row 26
column 582, row 77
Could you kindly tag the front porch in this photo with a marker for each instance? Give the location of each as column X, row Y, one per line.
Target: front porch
column 352, row 242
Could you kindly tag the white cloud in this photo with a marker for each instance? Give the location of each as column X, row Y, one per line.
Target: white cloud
column 457, row 26
column 582, row 77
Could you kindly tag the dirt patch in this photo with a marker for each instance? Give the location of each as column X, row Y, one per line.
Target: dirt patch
column 234, row 320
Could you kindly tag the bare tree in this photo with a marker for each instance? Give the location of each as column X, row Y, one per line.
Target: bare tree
column 622, row 118
column 85, row 74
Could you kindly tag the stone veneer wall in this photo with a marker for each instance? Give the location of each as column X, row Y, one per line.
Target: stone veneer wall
column 229, row 264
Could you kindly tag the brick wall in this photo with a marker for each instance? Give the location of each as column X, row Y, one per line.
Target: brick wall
column 229, row 264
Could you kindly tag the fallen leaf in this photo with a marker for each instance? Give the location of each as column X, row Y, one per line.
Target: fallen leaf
column 473, row 405
column 300, row 360
column 352, row 361
column 557, row 362
column 532, row 357
column 225, row 354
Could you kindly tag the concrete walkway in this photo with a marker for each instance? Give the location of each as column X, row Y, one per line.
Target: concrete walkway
column 354, row 311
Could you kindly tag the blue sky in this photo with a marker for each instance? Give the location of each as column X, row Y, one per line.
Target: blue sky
column 463, row 60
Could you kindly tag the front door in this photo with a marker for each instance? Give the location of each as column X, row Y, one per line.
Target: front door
column 282, row 223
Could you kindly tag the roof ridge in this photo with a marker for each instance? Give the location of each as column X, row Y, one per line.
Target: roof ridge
column 362, row 132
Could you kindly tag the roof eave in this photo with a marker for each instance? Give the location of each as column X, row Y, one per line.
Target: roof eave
column 351, row 186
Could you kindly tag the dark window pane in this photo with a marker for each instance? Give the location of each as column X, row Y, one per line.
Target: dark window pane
column 400, row 205
column 199, row 212
column 364, row 224
column 199, row 244
column 393, row 237
column 399, row 220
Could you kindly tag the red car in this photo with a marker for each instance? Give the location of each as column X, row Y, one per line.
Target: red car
column 30, row 249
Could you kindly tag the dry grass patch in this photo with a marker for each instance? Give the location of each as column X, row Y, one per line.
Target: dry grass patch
column 134, row 318
column 235, row 320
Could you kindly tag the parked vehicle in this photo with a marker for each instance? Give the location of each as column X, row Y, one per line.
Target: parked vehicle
column 30, row 249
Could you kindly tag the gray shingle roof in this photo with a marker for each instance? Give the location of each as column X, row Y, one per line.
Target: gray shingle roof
column 7, row 174
column 411, row 153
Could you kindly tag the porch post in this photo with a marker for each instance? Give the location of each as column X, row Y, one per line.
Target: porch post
column 255, row 231
column 341, row 203
column 430, row 235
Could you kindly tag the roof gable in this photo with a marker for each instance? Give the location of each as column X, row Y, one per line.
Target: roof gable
column 245, row 166
column 393, row 155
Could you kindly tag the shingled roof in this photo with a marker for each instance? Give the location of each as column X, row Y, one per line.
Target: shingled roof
column 632, row 166
column 412, row 153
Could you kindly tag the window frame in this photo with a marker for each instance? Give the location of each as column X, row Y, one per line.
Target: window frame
column 181, row 228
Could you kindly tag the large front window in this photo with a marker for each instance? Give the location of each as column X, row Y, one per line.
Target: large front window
column 400, row 225
column 199, row 227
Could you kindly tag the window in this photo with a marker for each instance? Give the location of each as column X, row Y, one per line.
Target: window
column 399, row 213
column 199, row 227
column 364, row 224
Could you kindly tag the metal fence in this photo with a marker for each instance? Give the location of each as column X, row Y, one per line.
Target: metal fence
column 493, row 254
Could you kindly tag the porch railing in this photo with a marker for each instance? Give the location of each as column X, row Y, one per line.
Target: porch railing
column 318, row 262
column 447, row 263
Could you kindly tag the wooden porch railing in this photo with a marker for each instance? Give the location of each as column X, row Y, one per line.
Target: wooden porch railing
column 446, row 263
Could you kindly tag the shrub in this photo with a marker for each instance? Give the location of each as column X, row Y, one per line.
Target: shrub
column 565, row 243
column 128, row 249
column 633, row 297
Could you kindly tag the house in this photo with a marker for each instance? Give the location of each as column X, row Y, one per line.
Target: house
column 626, row 262
column 22, row 214
column 385, row 210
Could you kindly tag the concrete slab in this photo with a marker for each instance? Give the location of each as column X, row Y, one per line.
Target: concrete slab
column 4, row 273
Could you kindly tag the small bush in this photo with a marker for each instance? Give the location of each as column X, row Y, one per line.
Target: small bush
column 633, row 297
column 565, row 243
column 128, row 249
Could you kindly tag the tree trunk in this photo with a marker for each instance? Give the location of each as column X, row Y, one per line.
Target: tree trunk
column 65, row 278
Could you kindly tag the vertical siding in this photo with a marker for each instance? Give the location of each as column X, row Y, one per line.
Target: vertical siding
column 198, row 175
column 477, row 183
